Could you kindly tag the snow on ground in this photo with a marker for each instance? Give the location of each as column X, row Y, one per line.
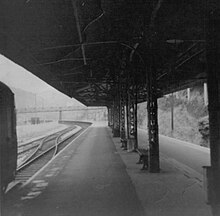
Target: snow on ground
column 26, row 132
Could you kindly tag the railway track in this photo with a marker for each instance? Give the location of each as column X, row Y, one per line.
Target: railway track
column 28, row 150
column 43, row 152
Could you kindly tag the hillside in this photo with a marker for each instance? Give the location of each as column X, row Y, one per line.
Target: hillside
column 23, row 99
column 49, row 98
column 190, row 116
column 57, row 99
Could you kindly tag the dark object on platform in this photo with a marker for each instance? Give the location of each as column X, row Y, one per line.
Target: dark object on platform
column 124, row 144
column 143, row 153
column 8, row 137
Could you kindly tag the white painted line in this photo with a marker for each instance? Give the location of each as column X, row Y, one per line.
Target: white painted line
column 70, row 133
column 11, row 185
column 39, row 171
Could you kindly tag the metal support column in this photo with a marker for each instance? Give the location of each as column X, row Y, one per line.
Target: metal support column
column 116, row 127
column 132, row 116
column 122, row 113
column 172, row 113
column 109, row 116
column 113, row 117
column 60, row 115
column 127, row 124
column 213, row 61
column 135, row 119
column 152, row 108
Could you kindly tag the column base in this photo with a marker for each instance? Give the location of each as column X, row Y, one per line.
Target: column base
column 123, row 139
column 123, row 143
column 116, row 132
column 154, row 168
column 131, row 143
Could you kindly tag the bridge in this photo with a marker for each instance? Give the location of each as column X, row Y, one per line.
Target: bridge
column 62, row 113
column 120, row 53
column 58, row 109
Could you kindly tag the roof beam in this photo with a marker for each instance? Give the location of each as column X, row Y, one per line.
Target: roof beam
column 62, row 60
column 79, row 31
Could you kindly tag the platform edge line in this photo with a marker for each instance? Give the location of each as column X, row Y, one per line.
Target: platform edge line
column 49, row 162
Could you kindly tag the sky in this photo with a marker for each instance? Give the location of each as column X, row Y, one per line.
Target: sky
column 16, row 76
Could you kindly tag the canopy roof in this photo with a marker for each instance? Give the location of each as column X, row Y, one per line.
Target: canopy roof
column 82, row 47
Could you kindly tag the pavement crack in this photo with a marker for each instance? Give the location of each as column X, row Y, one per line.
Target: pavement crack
column 186, row 188
column 163, row 196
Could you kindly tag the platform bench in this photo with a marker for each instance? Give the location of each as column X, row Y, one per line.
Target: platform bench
column 143, row 153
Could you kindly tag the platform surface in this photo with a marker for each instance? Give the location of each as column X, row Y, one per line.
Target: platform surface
column 94, row 176
column 88, row 178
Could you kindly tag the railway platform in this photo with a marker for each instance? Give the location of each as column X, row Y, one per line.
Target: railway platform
column 94, row 176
